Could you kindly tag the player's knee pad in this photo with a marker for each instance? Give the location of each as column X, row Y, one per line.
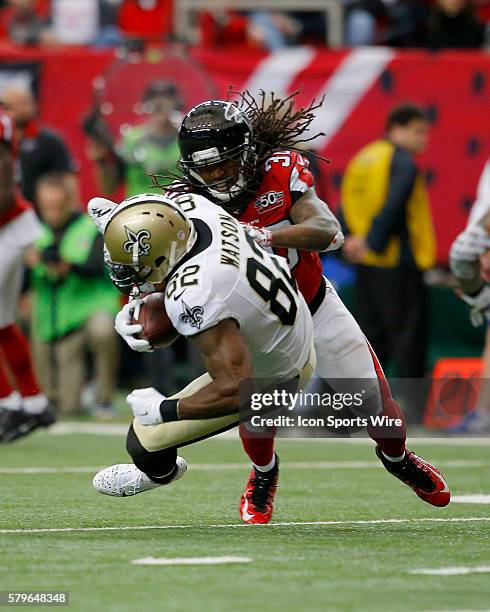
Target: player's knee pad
column 158, row 465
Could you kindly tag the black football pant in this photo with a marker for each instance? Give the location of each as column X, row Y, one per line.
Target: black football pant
column 392, row 307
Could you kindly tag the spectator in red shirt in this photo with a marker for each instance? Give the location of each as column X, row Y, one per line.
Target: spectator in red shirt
column 23, row 405
column 24, row 22
column 148, row 19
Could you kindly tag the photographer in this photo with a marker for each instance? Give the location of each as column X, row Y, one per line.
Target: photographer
column 73, row 301
column 148, row 148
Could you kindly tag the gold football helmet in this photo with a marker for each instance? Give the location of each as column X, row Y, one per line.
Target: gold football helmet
column 144, row 238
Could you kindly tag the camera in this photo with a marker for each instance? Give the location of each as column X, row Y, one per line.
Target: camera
column 51, row 254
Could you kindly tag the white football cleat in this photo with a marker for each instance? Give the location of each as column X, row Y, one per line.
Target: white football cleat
column 125, row 479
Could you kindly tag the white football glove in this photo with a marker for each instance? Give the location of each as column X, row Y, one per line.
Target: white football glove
column 466, row 249
column 126, row 329
column 261, row 235
column 480, row 305
column 145, row 404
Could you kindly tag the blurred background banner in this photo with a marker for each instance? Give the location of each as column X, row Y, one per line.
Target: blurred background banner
column 360, row 86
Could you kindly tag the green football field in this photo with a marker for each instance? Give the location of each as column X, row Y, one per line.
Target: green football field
column 346, row 535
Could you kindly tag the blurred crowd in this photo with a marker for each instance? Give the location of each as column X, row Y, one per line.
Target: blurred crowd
column 68, row 301
column 432, row 24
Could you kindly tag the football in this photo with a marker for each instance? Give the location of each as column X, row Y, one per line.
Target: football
column 157, row 327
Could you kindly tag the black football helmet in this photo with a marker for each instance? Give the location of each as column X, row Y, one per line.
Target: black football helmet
column 213, row 132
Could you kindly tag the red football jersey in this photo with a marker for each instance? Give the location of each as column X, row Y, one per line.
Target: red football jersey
column 287, row 177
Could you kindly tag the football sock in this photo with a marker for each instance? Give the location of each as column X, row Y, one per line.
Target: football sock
column 11, row 402
column 5, row 387
column 266, row 468
column 390, row 438
column 162, row 479
column 35, row 404
column 16, row 350
column 259, row 450
column 394, row 459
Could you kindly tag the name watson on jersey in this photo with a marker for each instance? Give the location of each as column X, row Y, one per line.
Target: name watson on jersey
column 230, row 242
column 332, row 422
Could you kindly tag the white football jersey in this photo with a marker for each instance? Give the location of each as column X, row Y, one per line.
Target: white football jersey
column 227, row 275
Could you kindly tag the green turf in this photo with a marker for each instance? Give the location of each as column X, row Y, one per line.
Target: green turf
column 313, row 567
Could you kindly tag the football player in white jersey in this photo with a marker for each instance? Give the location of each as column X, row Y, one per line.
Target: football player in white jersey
column 236, row 302
column 469, row 259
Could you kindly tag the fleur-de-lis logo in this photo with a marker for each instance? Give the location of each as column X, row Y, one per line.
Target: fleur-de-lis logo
column 140, row 238
column 192, row 316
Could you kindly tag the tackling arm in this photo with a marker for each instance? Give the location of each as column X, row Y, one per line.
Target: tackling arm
column 315, row 226
column 227, row 359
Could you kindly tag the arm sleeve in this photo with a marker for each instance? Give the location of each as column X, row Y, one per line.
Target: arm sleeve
column 403, row 173
column 94, row 264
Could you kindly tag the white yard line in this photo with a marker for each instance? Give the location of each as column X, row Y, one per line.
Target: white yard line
column 484, row 519
column 471, row 499
column 191, row 560
column 452, row 571
column 211, row 467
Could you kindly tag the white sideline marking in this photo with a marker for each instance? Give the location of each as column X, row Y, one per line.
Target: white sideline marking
column 484, row 519
column 80, row 427
column 119, row 429
column 453, row 571
column 210, row 467
column 471, row 499
column 191, row 560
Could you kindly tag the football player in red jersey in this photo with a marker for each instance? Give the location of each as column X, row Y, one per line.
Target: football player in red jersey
column 24, row 408
column 244, row 157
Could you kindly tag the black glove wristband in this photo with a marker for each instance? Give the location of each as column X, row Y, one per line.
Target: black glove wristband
column 169, row 411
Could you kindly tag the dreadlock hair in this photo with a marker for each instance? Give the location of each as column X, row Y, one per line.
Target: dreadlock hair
column 276, row 125
column 275, row 122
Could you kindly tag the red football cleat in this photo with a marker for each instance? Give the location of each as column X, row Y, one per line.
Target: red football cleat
column 426, row 480
column 256, row 503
